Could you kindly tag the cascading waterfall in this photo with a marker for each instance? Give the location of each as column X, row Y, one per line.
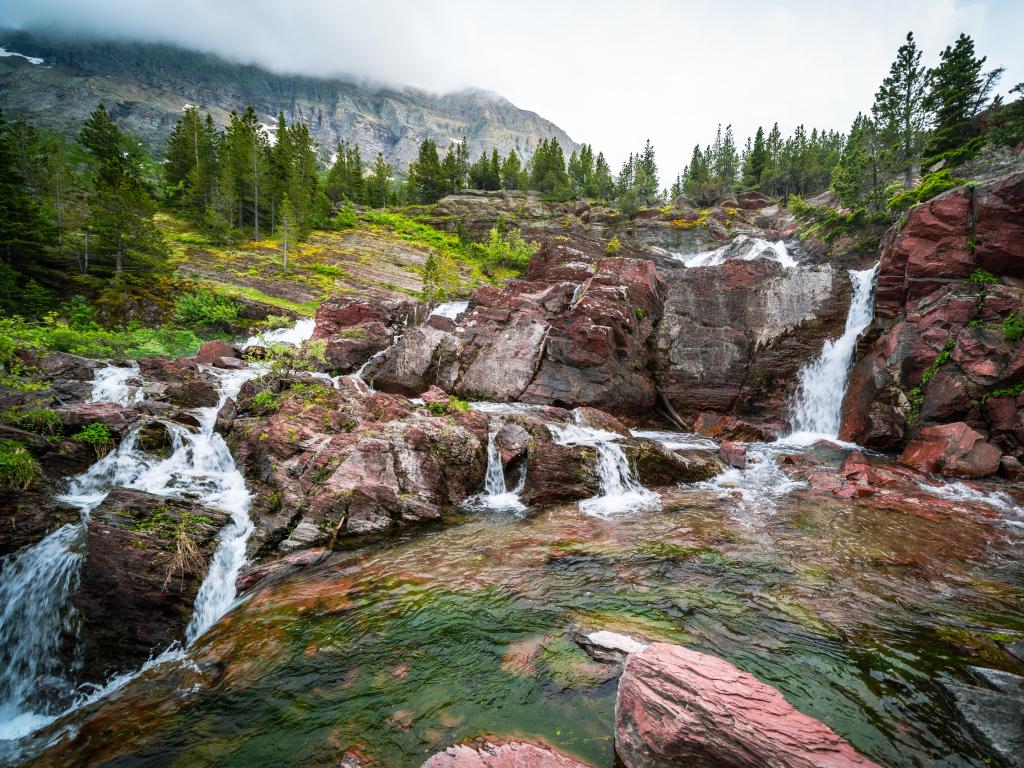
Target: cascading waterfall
column 621, row 490
column 38, row 581
column 295, row 334
column 743, row 248
column 496, row 494
column 110, row 385
column 819, row 398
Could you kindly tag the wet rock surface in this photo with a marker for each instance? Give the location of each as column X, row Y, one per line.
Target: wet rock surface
column 144, row 559
column 512, row 754
column 679, row 707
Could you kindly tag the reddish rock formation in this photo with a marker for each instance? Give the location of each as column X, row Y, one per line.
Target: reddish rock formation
column 677, row 707
column 145, row 557
column 210, row 352
column 328, row 463
column 952, row 449
column 937, row 352
column 511, row 754
column 733, row 455
column 355, row 329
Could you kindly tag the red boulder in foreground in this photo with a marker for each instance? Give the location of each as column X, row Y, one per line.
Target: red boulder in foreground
column 952, row 450
column 512, row 754
column 677, row 707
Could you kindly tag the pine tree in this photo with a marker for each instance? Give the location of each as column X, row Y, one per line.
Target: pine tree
column 899, row 110
column 426, row 179
column 511, row 169
column 379, row 182
column 22, row 225
column 120, row 207
column 755, row 162
column 603, row 186
column 645, row 179
column 289, row 228
column 858, row 180
column 958, row 90
column 727, row 161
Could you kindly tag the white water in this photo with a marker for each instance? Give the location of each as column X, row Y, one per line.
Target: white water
column 450, row 309
column 294, row 335
column 496, row 494
column 819, row 399
column 37, row 582
column 621, row 491
column 111, row 385
column 742, row 247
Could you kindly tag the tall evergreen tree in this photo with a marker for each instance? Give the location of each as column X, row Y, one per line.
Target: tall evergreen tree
column 858, row 179
column 22, row 224
column 378, row 186
column 899, row 110
column 958, row 91
column 426, row 178
column 511, row 170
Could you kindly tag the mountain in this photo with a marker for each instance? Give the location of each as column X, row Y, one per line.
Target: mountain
column 146, row 86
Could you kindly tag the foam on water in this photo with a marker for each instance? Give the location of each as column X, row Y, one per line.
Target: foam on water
column 295, row 335
column 111, row 385
column 450, row 309
column 743, row 248
column 496, row 495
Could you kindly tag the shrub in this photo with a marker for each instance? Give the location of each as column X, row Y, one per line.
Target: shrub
column 981, row 277
column 206, row 309
column 931, row 184
column 1013, row 327
column 18, row 470
column 345, row 218
column 614, row 246
column 510, row 249
column 98, row 436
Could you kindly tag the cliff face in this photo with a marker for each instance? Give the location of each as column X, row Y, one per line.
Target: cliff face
column 146, row 87
column 945, row 356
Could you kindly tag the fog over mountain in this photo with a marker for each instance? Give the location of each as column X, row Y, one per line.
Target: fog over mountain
column 611, row 74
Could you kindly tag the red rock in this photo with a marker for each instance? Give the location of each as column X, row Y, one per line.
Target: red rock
column 597, row 419
column 115, row 417
column 511, row 754
column 677, row 707
column 211, row 351
column 953, row 450
column 229, row 363
column 753, row 200
column 1011, row 469
column 435, row 396
column 733, row 455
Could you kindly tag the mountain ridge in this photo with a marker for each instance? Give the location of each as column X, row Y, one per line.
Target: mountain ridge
column 145, row 86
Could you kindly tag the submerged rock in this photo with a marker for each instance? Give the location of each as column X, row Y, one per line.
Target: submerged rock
column 994, row 711
column 510, row 754
column 677, row 707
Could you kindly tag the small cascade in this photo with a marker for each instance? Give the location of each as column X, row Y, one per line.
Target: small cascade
column 110, row 385
column 453, row 310
column 294, row 335
column 359, row 378
column 742, row 248
column 819, row 399
column 496, row 494
column 621, row 490
column 35, row 614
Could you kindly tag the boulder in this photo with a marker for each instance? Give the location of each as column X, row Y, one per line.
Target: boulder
column 117, row 418
column 211, row 351
column 560, row 473
column 596, row 419
column 677, row 707
column 733, row 455
column 145, row 557
column 26, row 517
column 954, row 450
column 656, row 465
column 510, row 754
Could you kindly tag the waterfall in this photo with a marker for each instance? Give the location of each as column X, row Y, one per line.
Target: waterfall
column 295, row 335
column 743, row 248
column 819, row 398
column 621, row 490
column 453, row 310
column 110, row 385
column 36, row 583
column 496, row 494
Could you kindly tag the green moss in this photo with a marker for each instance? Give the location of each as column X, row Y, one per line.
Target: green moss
column 931, row 184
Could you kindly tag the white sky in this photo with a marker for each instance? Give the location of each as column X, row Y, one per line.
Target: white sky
column 611, row 73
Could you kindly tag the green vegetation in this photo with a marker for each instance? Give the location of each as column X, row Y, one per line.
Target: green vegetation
column 613, row 247
column 42, row 421
column 204, row 308
column 931, row 184
column 55, row 334
column 916, row 395
column 981, row 277
column 18, row 470
column 1013, row 327
column 98, row 436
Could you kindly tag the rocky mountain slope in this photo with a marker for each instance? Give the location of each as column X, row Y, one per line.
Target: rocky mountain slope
column 146, row 86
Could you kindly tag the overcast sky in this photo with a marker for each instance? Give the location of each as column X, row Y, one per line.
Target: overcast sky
column 611, row 73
